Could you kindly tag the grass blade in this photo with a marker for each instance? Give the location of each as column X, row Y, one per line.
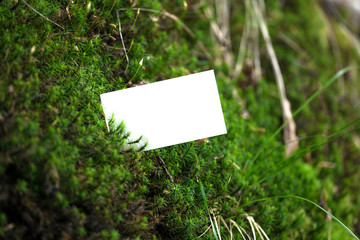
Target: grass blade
column 308, row 149
column 306, row 200
column 310, row 99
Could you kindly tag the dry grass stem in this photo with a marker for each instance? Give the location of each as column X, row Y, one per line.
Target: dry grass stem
column 215, row 28
column 256, row 51
column 244, row 40
column 223, row 20
column 220, row 29
column 252, row 226
column 292, row 44
column 241, row 230
column 46, row 18
column 204, row 232
column 290, row 129
column 256, row 226
column 354, row 40
column 122, row 40
column 354, row 10
column 217, row 226
column 181, row 24
column 226, row 226
column 260, row 231
column 337, row 54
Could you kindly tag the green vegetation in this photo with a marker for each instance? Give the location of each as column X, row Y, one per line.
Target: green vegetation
column 64, row 176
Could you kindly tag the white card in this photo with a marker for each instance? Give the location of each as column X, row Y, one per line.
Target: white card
column 168, row 112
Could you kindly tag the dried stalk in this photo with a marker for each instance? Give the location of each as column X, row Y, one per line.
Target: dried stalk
column 244, row 40
column 290, row 137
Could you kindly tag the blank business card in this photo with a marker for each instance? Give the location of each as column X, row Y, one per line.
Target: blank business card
column 168, row 112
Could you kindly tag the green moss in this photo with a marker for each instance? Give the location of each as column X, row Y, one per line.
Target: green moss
column 64, row 175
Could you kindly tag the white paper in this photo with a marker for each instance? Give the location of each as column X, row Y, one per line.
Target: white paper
column 168, row 112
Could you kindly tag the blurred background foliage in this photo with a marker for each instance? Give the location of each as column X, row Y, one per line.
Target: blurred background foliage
column 64, row 176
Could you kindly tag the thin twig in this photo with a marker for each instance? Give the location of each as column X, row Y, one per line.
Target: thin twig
column 163, row 166
column 46, row 18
